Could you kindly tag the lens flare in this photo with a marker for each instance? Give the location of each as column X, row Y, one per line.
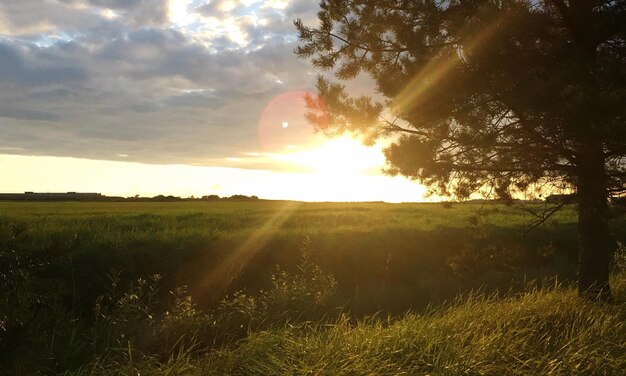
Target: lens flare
column 283, row 122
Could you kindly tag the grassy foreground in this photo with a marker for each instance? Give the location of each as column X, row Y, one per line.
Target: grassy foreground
column 231, row 288
column 547, row 331
column 389, row 257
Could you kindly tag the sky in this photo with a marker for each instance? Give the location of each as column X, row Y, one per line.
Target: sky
column 183, row 97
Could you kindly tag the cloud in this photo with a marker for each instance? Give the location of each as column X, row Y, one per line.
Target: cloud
column 138, row 13
column 45, row 21
column 18, row 113
column 102, row 78
column 16, row 70
column 219, row 8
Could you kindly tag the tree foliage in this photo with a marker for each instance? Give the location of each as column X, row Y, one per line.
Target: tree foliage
column 492, row 95
column 481, row 93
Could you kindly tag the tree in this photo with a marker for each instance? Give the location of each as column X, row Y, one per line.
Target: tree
column 485, row 94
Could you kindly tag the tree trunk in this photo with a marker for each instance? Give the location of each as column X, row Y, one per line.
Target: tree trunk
column 593, row 229
column 593, row 211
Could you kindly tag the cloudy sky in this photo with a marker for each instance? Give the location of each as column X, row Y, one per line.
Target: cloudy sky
column 169, row 96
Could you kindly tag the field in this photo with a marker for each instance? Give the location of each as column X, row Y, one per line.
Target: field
column 408, row 255
column 373, row 258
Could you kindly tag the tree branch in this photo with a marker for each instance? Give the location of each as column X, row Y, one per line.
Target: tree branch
column 541, row 217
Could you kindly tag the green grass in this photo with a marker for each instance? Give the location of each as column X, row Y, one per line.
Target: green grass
column 385, row 256
column 387, row 260
column 547, row 331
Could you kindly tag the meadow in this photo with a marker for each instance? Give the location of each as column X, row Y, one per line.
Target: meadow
column 385, row 256
column 237, row 279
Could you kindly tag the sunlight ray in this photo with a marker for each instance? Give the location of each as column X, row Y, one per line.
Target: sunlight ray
column 224, row 272
column 416, row 91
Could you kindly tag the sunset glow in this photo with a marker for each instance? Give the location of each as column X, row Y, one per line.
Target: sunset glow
column 128, row 179
column 339, row 156
column 184, row 97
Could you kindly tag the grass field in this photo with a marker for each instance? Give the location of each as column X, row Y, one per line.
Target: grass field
column 403, row 249
column 539, row 332
column 415, row 254
column 383, row 259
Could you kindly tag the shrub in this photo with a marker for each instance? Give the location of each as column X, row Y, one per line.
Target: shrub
column 129, row 316
column 293, row 297
column 308, row 291
column 136, row 319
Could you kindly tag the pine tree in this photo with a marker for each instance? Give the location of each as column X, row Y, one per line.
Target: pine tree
column 484, row 93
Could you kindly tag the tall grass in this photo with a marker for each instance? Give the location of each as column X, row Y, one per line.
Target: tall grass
column 548, row 331
column 62, row 314
column 384, row 256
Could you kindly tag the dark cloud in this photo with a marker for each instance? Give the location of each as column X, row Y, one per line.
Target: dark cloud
column 15, row 70
column 74, row 83
column 302, row 8
column 157, row 6
column 25, row 114
column 134, row 12
column 40, row 19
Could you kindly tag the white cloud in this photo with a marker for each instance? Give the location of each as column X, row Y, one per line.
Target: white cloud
column 158, row 81
column 180, row 13
column 275, row 4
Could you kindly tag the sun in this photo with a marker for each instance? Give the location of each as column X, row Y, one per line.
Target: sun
column 344, row 155
column 337, row 169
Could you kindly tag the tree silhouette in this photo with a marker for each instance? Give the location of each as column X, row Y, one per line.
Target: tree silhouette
column 485, row 94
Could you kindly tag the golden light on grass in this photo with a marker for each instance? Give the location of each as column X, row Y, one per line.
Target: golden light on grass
column 226, row 271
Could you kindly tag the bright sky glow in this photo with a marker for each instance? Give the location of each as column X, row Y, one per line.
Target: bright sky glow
column 181, row 97
column 276, row 4
column 54, row 174
column 179, row 13
column 339, row 156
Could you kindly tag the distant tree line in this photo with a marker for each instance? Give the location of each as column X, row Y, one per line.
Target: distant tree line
column 97, row 197
column 162, row 198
